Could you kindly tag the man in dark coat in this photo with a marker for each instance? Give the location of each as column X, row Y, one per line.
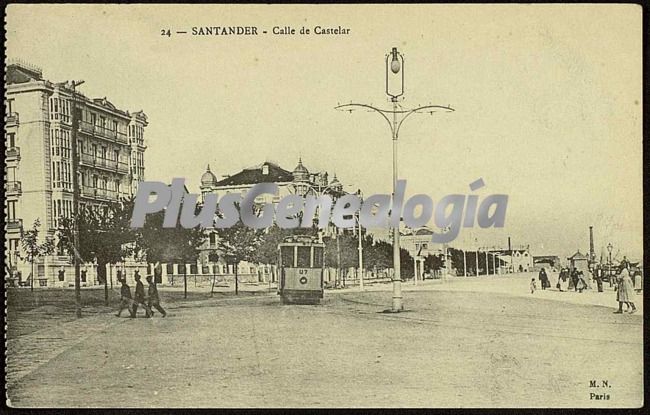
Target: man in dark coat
column 139, row 296
column 543, row 278
column 126, row 299
column 154, row 298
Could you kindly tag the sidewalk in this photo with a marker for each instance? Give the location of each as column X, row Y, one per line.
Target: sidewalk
column 510, row 284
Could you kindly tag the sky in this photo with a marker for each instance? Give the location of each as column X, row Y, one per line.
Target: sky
column 547, row 99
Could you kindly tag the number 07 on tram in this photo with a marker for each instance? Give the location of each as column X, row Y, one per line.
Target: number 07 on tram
column 301, row 271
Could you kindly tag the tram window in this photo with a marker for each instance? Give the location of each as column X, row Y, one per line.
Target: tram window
column 304, row 256
column 318, row 257
column 287, row 256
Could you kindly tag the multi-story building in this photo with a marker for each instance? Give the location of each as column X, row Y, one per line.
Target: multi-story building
column 299, row 181
column 39, row 173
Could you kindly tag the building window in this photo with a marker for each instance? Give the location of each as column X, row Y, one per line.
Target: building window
column 11, row 210
column 11, row 174
column 11, row 140
column 10, row 106
column 213, row 239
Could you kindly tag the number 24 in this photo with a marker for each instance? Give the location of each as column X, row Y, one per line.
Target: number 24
column 165, row 32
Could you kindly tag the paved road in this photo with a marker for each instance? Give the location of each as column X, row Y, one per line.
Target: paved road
column 452, row 349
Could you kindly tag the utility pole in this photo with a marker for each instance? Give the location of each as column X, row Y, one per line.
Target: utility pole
column 75, row 199
column 360, row 247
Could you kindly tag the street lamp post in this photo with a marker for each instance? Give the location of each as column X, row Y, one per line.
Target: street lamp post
column 395, row 118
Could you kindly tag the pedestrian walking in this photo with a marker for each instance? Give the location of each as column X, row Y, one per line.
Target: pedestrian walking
column 543, row 279
column 598, row 276
column 625, row 291
column 582, row 282
column 154, row 298
column 126, row 301
column 139, row 296
column 638, row 282
column 533, row 286
column 574, row 279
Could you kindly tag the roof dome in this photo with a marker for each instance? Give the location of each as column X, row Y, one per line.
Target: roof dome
column 208, row 178
column 335, row 183
column 300, row 173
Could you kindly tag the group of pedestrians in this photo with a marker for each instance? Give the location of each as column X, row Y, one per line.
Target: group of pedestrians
column 575, row 280
column 571, row 280
column 147, row 302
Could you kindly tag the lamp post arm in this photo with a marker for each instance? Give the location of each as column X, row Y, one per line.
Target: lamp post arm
column 416, row 110
column 349, row 107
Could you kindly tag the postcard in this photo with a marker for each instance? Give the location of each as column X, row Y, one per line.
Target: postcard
column 324, row 206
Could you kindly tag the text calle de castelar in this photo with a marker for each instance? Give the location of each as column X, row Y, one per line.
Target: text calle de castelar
column 276, row 30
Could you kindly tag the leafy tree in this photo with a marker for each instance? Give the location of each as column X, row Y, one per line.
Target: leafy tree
column 406, row 264
column 105, row 235
column 342, row 253
column 377, row 254
column 434, row 263
column 457, row 261
column 239, row 243
column 177, row 244
column 33, row 249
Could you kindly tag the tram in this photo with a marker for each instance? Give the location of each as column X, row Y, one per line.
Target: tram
column 301, row 270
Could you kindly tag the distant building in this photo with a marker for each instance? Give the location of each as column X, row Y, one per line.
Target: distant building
column 300, row 181
column 579, row 261
column 419, row 245
column 38, row 140
column 548, row 262
column 517, row 260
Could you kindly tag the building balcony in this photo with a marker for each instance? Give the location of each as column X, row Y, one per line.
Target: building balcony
column 14, row 188
column 12, row 119
column 107, row 194
column 122, row 167
column 87, row 191
column 97, row 131
column 14, row 225
column 110, row 165
column 97, row 193
column 12, row 153
column 86, row 127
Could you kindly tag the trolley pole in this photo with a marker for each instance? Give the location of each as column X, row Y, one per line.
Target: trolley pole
column 395, row 118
